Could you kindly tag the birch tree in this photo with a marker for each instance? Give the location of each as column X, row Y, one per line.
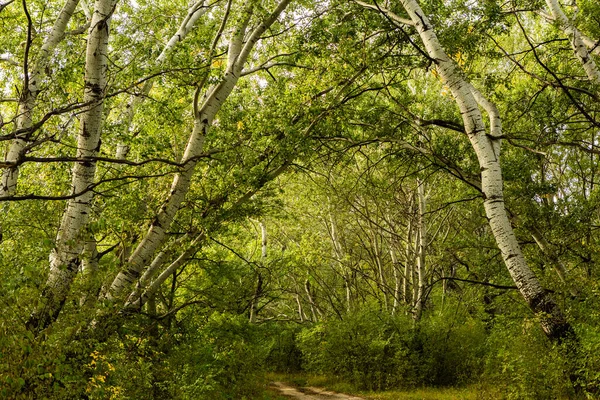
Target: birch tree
column 65, row 258
column 487, row 148
column 32, row 84
column 242, row 41
column 195, row 12
column 575, row 38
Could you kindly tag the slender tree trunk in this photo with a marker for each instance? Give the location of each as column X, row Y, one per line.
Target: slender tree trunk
column 577, row 43
column 259, row 278
column 145, row 288
column 421, row 249
column 28, row 99
column 239, row 50
column 408, row 256
column 195, row 11
column 65, row 257
column 381, row 272
column 397, row 278
column 553, row 258
column 301, row 314
column 314, row 309
column 339, row 257
column 487, row 150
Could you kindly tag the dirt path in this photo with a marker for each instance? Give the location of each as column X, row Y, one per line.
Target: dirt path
column 310, row 393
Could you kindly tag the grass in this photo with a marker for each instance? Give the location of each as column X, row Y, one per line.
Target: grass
column 467, row 393
column 424, row 394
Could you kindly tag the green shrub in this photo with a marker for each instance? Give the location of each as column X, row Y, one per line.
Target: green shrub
column 522, row 363
column 285, row 356
column 376, row 351
column 223, row 359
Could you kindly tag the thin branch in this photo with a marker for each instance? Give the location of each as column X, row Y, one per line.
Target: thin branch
column 4, row 164
column 4, row 5
column 393, row 16
column 562, row 86
column 27, row 48
column 75, row 195
column 448, row 278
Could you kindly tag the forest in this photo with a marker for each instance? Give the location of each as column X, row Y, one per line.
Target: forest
column 200, row 197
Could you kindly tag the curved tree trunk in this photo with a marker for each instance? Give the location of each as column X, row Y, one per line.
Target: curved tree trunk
column 239, row 50
column 487, row 150
column 577, row 43
column 195, row 11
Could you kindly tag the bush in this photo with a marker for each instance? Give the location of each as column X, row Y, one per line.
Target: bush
column 375, row 351
column 522, row 363
column 223, row 359
column 285, row 356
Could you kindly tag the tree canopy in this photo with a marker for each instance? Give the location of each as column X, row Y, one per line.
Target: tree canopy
column 398, row 193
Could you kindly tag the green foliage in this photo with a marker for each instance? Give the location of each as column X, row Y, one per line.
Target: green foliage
column 285, row 356
column 522, row 364
column 358, row 117
column 220, row 359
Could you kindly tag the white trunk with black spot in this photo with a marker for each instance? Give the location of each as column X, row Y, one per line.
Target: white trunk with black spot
column 27, row 102
column 577, row 43
column 195, row 11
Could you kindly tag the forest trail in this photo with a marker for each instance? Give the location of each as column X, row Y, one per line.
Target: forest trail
column 310, row 393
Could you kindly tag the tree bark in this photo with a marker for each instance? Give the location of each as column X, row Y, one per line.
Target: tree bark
column 195, row 11
column 421, row 249
column 577, row 43
column 259, row 278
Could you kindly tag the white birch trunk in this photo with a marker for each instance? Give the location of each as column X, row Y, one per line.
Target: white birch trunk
column 552, row 319
column 144, row 291
column 155, row 236
column 397, row 279
column 577, row 43
column 89, row 269
column 27, row 101
column 338, row 256
column 408, row 256
column 593, row 46
column 195, row 11
column 311, row 299
column 259, row 280
column 383, row 287
column 421, row 248
column 65, row 257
